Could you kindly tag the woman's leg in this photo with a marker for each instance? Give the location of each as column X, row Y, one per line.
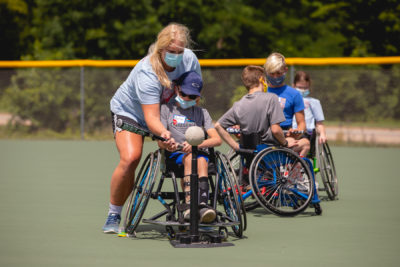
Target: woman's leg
column 130, row 147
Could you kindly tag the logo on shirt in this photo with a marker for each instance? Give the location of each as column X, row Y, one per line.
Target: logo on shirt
column 282, row 101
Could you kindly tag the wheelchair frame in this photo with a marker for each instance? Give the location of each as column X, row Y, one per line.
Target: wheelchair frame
column 224, row 191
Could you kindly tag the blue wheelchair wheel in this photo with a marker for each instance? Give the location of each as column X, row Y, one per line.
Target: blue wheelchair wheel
column 141, row 192
column 229, row 193
column 281, row 181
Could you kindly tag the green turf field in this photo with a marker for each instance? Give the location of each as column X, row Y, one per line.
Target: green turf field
column 54, row 200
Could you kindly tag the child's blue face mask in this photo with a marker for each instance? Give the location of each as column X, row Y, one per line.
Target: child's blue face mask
column 173, row 60
column 303, row 92
column 185, row 104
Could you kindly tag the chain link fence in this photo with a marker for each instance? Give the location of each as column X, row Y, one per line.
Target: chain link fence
column 75, row 101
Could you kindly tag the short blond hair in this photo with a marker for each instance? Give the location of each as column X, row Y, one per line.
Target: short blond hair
column 251, row 76
column 275, row 62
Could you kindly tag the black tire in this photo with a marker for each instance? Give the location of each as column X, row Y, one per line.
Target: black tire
column 141, row 192
column 281, row 181
column 229, row 192
column 327, row 169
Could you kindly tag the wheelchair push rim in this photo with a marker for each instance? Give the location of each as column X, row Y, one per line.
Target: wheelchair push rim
column 281, row 181
column 327, row 169
column 227, row 189
column 141, row 193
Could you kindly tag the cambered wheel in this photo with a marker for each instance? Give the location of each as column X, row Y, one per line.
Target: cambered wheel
column 281, row 181
column 229, row 191
column 327, row 169
column 141, row 192
column 236, row 163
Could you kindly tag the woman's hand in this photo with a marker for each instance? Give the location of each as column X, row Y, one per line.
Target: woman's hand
column 170, row 143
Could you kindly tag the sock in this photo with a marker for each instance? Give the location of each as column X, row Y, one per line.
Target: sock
column 203, row 189
column 114, row 209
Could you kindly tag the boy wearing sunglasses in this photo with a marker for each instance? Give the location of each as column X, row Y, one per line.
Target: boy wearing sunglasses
column 177, row 116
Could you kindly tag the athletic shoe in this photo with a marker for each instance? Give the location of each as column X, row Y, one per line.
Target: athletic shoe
column 112, row 224
column 207, row 215
column 186, row 215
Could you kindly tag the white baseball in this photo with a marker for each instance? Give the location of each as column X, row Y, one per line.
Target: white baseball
column 194, row 135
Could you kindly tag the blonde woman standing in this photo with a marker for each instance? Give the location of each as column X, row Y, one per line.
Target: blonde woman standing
column 137, row 102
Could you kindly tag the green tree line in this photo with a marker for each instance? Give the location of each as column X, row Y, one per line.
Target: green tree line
column 115, row 29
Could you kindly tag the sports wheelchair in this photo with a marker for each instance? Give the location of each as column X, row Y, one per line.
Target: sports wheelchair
column 224, row 191
column 276, row 178
column 324, row 165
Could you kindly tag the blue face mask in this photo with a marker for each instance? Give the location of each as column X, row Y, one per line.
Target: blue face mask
column 185, row 104
column 173, row 60
column 303, row 92
column 276, row 81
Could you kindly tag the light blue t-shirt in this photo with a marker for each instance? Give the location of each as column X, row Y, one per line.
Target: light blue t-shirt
column 312, row 113
column 143, row 87
column 291, row 102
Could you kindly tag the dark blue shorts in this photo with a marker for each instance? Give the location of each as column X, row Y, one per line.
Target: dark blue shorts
column 178, row 156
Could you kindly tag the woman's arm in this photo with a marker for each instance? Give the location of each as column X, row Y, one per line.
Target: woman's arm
column 152, row 117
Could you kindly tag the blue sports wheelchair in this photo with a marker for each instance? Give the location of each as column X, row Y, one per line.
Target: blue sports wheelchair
column 273, row 177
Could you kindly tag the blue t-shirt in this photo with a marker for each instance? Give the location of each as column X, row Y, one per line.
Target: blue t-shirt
column 143, row 87
column 312, row 113
column 291, row 102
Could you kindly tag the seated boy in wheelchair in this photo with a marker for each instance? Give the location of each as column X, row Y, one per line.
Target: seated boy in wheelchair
column 177, row 116
column 258, row 115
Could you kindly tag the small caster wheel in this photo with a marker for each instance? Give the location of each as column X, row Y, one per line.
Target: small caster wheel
column 170, row 232
column 318, row 209
column 223, row 233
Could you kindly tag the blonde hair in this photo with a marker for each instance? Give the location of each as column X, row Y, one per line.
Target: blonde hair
column 251, row 76
column 165, row 37
column 275, row 62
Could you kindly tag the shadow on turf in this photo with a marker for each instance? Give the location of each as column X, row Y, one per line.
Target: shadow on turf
column 261, row 212
column 159, row 233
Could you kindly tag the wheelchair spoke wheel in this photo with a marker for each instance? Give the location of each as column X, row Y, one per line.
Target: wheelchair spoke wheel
column 229, row 192
column 327, row 169
column 281, row 181
column 141, row 192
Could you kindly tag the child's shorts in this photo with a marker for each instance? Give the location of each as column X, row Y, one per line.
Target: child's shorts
column 178, row 156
